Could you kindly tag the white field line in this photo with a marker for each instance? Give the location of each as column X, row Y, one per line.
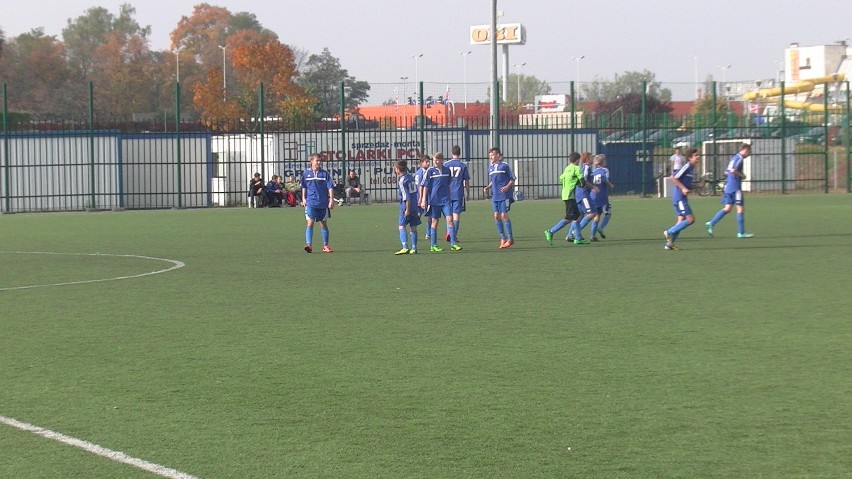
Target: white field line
column 117, row 456
column 175, row 265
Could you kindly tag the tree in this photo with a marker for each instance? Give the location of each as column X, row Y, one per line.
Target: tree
column 2, row 41
column 321, row 79
column 34, row 67
column 254, row 61
column 624, row 85
column 702, row 111
column 530, row 88
column 631, row 103
column 85, row 34
column 200, row 35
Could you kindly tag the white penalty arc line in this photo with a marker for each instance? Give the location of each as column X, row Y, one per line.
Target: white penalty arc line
column 117, row 456
column 175, row 265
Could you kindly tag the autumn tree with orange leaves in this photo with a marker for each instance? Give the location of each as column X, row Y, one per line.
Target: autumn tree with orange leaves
column 254, row 61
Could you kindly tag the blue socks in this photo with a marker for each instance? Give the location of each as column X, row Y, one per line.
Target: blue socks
column 403, row 238
column 740, row 223
column 499, row 224
column 508, row 227
column 324, row 232
column 309, row 234
column 559, row 225
column 718, row 217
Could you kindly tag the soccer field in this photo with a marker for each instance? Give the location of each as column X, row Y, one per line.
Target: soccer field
column 209, row 343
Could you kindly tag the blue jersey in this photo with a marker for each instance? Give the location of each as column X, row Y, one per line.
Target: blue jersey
column 500, row 175
column 419, row 176
column 580, row 190
column 316, row 183
column 734, row 182
column 437, row 184
column 600, row 178
column 684, row 175
column 458, row 175
column 407, row 191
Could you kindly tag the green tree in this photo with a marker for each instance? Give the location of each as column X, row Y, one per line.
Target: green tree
column 628, row 83
column 321, row 79
column 85, row 34
column 530, row 87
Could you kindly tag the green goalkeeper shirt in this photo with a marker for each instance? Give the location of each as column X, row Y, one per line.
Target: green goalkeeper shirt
column 569, row 179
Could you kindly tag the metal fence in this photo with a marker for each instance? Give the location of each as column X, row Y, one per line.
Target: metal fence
column 188, row 161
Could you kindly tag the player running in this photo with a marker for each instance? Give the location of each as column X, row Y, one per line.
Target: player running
column 682, row 180
column 733, row 194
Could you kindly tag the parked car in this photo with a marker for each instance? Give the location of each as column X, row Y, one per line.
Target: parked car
column 617, row 135
column 814, row 136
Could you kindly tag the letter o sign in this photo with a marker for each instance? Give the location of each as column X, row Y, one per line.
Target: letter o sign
column 479, row 35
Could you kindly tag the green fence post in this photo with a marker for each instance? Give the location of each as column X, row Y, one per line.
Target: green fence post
column 7, row 180
column 644, row 120
column 714, row 118
column 782, row 111
column 178, row 151
column 825, row 127
column 422, row 113
column 92, row 202
column 261, row 110
column 847, row 133
column 343, row 148
column 573, row 119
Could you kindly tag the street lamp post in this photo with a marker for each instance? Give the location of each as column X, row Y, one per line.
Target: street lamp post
column 577, row 66
column 224, row 73
column 177, row 64
column 403, row 87
column 695, row 76
column 416, row 73
column 519, row 65
column 464, row 69
column 724, row 69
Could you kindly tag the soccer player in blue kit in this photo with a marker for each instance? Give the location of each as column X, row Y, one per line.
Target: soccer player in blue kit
column 459, row 178
column 682, row 180
column 600, row 198
column 419, row 177
column 733, row 194
column 408, row 214
column 318, row 200
column 584, row 201
column 501, row 181
column 436, row 194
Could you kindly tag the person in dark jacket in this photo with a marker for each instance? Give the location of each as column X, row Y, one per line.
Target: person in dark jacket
column 256, row 192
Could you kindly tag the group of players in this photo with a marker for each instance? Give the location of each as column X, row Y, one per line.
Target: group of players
column 682, row 176
column 585, row 191
column 432, row 192
column 442, row 188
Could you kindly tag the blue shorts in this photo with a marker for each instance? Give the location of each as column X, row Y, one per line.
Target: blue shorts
column 735, row 198
column 501, row 206
column 317, row 214
column 681, row 207
column 457, row 206
column 435, row 211
column 585, row 206
column 413, row 218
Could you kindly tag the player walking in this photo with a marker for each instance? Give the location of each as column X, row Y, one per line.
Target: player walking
column 318, row 200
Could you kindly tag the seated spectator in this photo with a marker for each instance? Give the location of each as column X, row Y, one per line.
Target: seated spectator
column 294, row 191
column 355, row 188
column 274, row 192
column 339, row 192
column 256, row 192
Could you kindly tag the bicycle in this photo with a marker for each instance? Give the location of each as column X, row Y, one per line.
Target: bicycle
column 708, row 185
